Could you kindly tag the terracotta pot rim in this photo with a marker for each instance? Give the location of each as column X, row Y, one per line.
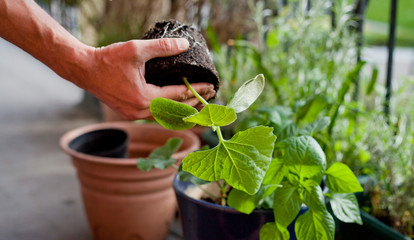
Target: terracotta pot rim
column 122, row 125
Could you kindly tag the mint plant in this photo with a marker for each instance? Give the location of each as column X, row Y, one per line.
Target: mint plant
column 282, row 175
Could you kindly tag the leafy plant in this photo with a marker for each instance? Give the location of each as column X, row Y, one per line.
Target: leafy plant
column 161, row 157
column 299, row 165
column 289, row 172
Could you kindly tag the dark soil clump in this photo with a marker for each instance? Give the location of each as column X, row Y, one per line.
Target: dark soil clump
column 195, row 64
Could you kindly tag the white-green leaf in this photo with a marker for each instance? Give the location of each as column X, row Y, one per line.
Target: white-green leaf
column 213, row 115
column 286, row 204
column 161, row 157
column 242, row 161
column 313, row 196
column 247, row 94
column 304, row 156
column 315, row 225
column 340, row 179
column 345, row 207
column 270, row 231
column 170, row 113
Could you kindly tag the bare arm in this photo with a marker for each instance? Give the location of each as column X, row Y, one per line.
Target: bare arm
column 114, row 74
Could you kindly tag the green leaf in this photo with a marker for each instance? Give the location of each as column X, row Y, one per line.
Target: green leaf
column 340, row 179
column 270, row 231
column 286, row 131
column 315, row 225
column 310, row 111
column 241, row 161
column 373, row 81
column 170, row 113
column 313, row 196
column 272, row 37
column 246, row 203
column 213, row 115
column 188, row 177
column 287, row 204
column 304, row 156
column 318, row 125
column 276, row 172
column 161, row 157
column 247, row 94
column 345, row 207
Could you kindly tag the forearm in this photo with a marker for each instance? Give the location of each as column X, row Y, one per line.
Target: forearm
column 26, row 25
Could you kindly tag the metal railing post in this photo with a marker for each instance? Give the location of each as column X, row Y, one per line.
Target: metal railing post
column 391, row 45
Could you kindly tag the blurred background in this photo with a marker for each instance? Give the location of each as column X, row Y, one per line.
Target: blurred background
column 335, row 50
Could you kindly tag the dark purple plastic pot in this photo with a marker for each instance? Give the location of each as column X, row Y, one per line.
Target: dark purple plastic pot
column 202, row 220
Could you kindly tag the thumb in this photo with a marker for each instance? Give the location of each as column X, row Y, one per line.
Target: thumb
column 163, row 47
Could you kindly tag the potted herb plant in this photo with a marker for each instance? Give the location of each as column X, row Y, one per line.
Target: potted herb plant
column 251, row 168
column 121, row 201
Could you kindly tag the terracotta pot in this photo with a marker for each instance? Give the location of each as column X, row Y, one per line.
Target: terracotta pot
column 122, row 202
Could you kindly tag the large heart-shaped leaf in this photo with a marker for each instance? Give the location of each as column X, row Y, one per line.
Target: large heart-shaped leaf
column 242, row 161
column 170, row 113
column 247, row 94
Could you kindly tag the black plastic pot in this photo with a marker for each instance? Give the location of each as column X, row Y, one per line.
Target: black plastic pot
column 372, row 229
column 202, row 220
column 112, row 143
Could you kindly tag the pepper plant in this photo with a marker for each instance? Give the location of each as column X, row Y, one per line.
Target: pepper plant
column 260, row 171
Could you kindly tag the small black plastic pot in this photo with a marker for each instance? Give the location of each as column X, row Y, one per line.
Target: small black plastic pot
column 112, row 143
column 202, row 220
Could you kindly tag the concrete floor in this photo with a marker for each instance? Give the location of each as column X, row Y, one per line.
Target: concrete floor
column 39, row 194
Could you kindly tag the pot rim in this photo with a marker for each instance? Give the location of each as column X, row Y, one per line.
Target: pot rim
column 122, row 125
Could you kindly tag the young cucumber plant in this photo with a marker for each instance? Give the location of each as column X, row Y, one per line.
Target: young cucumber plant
column 284, row 175
column 241, row 161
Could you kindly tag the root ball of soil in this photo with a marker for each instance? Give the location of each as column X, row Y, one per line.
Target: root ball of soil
column 195, row 64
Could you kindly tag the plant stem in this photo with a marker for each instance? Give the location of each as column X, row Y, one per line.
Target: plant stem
column 219, row 134
column 202, row 100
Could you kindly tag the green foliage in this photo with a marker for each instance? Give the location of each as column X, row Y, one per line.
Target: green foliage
column 241, row 161
column 170, row 114
column 161, row 157
column 213, row 116
column 340, row 179
column 295, row 175
column 315, row 225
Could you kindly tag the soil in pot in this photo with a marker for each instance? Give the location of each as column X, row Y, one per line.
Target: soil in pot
column 195, row 64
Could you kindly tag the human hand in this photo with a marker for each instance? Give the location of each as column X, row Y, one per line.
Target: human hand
column 115, row 75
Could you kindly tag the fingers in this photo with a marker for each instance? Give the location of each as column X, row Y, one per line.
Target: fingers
column 163, row 47
column 182, row 93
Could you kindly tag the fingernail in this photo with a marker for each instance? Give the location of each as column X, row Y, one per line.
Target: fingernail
column 182, row 44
